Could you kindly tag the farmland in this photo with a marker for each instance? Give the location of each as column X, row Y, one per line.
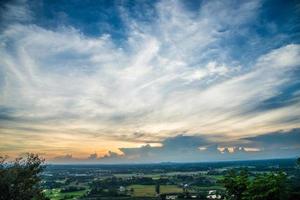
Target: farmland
column 149, row 181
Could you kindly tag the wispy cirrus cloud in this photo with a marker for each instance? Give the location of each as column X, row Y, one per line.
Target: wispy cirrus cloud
column 175, row 71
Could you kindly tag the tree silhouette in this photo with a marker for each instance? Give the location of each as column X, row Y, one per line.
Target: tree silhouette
column 20, row 180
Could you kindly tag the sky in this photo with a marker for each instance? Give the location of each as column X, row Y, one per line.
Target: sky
column 150, row 81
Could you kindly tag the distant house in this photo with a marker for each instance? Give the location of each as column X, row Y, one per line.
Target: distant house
column 185, row 187
column 212, row 194
column 171, row 197
column 122, row 189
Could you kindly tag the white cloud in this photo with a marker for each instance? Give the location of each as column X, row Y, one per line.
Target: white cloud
column 171, row 76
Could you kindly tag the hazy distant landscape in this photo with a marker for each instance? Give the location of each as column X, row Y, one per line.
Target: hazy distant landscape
column 175, row 180
column 28, row 178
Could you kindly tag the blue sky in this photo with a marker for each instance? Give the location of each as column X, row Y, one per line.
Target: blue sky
column 150, row 81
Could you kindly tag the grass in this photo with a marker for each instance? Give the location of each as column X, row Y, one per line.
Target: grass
column 204, row 188
column 55, row 194
column 217, row 177
column 169, row 188
column 149, row 190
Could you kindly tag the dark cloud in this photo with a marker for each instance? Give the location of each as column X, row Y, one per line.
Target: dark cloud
column 6, row 113
column 180, row 148
column 64, row 158
column 287, row 95
column 93, row 156
column 111, row 154
column 183, row 148
column 182, row 141
column 285, row 139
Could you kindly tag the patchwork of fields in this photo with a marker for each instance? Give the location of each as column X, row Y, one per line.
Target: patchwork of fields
column 140, row 182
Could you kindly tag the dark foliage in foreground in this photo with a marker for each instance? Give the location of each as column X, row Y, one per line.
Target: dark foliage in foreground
column 19, row 180
column 267, row 186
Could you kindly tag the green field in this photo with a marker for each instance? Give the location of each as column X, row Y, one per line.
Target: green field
column 55, row 194
column 149, row 190
column 204, row 188
column 217, row 177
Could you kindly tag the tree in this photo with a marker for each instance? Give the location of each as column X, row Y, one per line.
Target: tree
column 294, row 182
column 236, row 184
column 131, row 191
column 270, row 186
column 157, row 189
column 20, row 180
